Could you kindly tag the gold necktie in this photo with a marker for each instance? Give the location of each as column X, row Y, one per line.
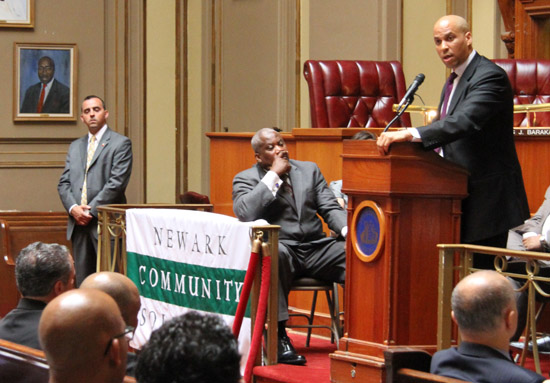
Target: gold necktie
column 91, row 151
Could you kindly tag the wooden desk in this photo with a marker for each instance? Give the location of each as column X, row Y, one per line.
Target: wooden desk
column 231, row 153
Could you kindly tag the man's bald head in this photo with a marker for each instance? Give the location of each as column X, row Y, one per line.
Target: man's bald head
column 481, row 300
column 458, row 22
column 121, row 289
column 75, row 331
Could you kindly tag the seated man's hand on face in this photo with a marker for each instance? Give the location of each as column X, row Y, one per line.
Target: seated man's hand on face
column 281, row 164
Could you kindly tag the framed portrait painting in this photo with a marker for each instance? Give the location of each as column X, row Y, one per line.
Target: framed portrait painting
column 16, row 13
column 44, row 79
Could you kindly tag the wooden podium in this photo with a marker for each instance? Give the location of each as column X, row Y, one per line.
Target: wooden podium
column 400, row 207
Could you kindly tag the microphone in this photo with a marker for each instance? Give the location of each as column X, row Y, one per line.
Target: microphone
column 412, row 90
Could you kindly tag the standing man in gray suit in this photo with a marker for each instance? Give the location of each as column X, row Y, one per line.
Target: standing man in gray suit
column 292, row 194
column 97, row 171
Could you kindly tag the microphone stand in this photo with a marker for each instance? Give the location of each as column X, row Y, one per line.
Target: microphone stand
column 399, row 113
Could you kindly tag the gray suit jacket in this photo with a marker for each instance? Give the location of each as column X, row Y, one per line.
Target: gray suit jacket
column 108, row 174
column 533, row 224
column 298, row 219
column 477, row 134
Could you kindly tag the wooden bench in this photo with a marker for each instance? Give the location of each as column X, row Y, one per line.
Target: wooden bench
column 22, row 364
column 409, row 365
column 17, row 230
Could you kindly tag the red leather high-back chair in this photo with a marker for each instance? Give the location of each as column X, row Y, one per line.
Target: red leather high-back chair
column 530, row 81
column 350, row 94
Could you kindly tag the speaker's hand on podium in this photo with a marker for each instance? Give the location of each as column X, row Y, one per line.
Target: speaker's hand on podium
column 386, row 139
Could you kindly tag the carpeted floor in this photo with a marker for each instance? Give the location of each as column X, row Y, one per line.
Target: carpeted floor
column 317, row 368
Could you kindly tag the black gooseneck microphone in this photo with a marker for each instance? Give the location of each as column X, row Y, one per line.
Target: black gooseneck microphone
column 412, row 90
column 408, row 98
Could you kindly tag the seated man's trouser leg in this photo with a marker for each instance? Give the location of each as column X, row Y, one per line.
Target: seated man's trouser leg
column 324, row 259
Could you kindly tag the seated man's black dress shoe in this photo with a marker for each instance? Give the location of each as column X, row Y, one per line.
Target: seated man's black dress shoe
column 287, row 354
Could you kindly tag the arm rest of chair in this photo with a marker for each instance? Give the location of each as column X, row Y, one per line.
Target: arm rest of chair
column 405, row 357
column 5, row 252
column 408, row 375
column 408, row 365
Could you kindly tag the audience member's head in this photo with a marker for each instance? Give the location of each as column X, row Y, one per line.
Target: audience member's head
column 191, row 348
column 82, row 334
column 121, row 289
column 484, row 308
column 43, row 271
column 364, row 135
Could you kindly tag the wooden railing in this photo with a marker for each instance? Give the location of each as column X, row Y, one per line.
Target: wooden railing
column 455, row 262
column 111, row 256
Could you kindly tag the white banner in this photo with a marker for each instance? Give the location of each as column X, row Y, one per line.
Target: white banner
column 185, row 260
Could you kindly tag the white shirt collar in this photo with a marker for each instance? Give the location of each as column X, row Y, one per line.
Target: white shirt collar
column 459, row 70
column 98, row 135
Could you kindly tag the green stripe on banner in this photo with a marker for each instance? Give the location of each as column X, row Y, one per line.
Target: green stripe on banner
column 215, row 290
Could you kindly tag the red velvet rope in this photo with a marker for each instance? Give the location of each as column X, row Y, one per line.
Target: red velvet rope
column 245, row 293
column 260, row 318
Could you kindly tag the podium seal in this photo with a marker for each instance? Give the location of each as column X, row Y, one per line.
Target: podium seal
column 367, row 231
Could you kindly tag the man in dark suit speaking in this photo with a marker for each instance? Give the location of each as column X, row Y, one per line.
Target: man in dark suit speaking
column 49, row 95
column 97, row 171
column 474, row 130
column 291, row 194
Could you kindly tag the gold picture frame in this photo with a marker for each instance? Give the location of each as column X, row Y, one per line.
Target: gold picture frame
column 17, row 14
column 39, row 64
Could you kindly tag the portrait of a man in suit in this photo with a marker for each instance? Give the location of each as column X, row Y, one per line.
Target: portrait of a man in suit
column 48, row 95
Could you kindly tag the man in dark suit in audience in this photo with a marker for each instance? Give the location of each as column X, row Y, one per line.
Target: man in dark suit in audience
column 292, row 194
column 48, row 95
column 475, row 131
column 84, row 338
column 42, row 272
column 484, row 308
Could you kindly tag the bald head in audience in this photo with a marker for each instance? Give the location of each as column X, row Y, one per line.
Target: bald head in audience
column 484, row 308
column 121, row 289
column 81, row 332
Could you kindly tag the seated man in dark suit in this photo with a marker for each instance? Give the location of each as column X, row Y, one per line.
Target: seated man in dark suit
column 484, row 308
column 292, row 194
column 42, row 272
column 190, row 348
